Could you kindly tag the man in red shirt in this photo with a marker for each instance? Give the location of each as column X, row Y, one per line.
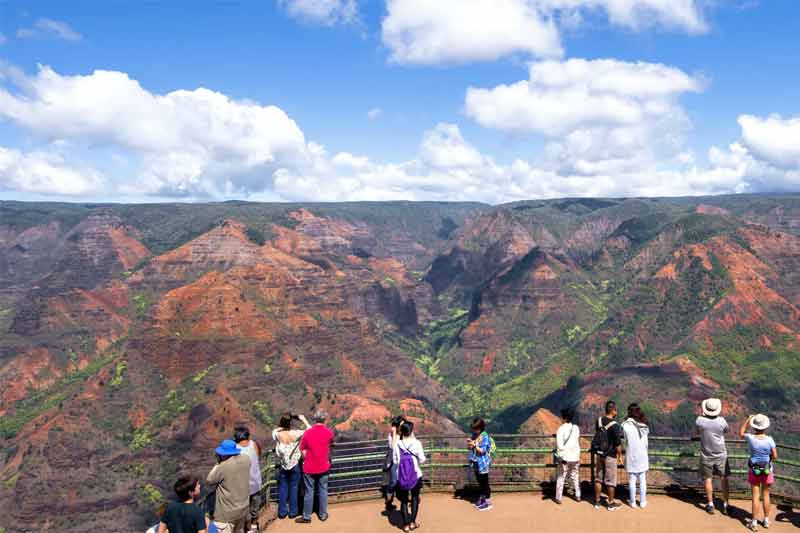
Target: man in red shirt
column 316, row 449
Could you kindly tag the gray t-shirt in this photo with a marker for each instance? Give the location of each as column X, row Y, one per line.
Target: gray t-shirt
column 712, row 437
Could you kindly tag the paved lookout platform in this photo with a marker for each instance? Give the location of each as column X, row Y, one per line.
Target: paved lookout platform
column 441, row 513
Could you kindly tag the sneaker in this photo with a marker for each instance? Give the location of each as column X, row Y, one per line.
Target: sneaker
column 765, row 523
column 642, row 505
column 303, row 520
column 724, row 509
column 322, row 518
column 633, row 505
column 480, row 502
column 597, row 505
column 751, row 524
column 710, row 508
column 485, row 506
column 614, row 506
column 558, row 501
column 577, row 498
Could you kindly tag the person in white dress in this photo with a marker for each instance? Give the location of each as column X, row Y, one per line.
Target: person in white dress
column 637, row 462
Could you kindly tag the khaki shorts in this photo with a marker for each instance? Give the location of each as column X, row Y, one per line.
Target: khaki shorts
column 714, row 467
column 605, row 470
column 228, row 527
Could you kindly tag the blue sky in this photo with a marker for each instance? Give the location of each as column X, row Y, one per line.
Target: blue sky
column 677, row 76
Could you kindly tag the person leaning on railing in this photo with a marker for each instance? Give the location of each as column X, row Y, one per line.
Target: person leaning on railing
column 763, row 453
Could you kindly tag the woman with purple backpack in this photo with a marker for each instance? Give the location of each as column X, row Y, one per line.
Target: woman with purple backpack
column 409, row 456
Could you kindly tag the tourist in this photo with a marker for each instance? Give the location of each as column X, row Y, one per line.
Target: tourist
column 711, row 429
column 480, row 456
column 184, row 516
column 759, row 472
column 568, row 455
column 389, row 465
column 231, row 480
column 409, row 455
column 316, row 449
column 249, row 447
column 607, row 448
column 637, row 462
column 287, row 452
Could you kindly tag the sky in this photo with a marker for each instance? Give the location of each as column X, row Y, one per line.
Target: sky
column 350, row 100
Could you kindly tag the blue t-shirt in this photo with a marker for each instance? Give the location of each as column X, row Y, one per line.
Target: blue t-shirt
column 760, row 448
column 482, row 460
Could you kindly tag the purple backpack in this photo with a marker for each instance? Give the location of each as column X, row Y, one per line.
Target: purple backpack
column 407, row 477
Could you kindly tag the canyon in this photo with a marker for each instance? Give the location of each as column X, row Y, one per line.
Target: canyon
column 134, row 337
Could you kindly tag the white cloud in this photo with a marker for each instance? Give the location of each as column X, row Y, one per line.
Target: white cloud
column 638, row 15
column 46, row 172
column 200, row 144
column 773, row 139
column 458, row 31
column 375, row 113
column 188, row 142
column 562, row 96
column 454, row 31
column 325, row 12
column 45, row 27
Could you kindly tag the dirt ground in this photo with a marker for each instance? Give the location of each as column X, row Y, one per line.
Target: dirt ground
column 442, row 513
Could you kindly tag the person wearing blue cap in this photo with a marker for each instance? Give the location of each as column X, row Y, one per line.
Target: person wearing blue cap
column 231, row 480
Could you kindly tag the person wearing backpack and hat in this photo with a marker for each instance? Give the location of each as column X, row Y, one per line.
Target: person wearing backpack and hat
column 231, row 480
column 760, row 475
column 607, row 448
column 711, row 429
column 481, row 446
column 409, row 456
column 568, row 455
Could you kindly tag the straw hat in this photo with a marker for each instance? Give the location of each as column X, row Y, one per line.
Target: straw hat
column 712, row 407
column 759, row 422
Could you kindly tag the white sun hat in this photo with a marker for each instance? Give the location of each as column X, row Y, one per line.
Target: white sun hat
column 712, row 407
column 759, row 422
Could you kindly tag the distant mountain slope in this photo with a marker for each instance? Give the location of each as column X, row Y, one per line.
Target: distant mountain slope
column 133, row 337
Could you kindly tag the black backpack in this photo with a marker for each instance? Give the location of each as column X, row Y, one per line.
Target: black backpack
column 601, row 442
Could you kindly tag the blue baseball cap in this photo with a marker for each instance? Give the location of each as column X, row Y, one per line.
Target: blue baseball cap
column 228, row 447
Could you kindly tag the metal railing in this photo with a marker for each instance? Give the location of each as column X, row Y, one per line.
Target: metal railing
column 525, row 463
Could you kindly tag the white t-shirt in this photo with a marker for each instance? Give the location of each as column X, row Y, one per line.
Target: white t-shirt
column 413, row 446
column 255, row 469
column 568, row 443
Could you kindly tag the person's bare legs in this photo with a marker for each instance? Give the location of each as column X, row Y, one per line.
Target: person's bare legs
column 725, row 490
column 611, row 490
column 767, row 505
column 598, row 492
column 710, row 490
column 756, row 502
